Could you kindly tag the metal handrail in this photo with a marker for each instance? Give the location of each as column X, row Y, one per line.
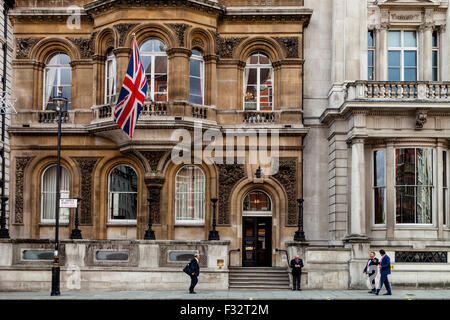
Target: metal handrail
column 229, row 255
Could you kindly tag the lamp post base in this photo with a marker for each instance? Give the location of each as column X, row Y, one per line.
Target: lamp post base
column 55, row 281
column 76, row 234
column 4, row 234
column 149, row 235
column 299, row 236
column 213, row 235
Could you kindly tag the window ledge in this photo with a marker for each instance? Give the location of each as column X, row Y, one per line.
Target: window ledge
column 189, row 224
column 415, row 227
column 52, row 224
column 121, row 223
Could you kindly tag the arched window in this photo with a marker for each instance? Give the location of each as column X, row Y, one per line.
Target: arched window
column 48, row 194
column 110, row 78
column 155, row 63
column 258, row 201
column 58, row 72
column 190, row 195
column 196, row 78
column 123, row 183
column 258, row 85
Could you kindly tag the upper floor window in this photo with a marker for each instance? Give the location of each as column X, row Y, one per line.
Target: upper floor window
column 190, row 195
column 48, row 194
column 57, row 73
column 110, row 78
column 155, row 63
column 371, row 55
column 435, row 56
column 123, row 184
column 258, row 90
column 414, row 184
column 402, row 55
column 196, row 78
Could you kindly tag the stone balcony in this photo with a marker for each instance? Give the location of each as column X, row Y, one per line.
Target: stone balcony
column 427, row 91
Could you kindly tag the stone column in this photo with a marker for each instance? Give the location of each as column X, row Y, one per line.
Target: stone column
column 427, row 32
column 390, row 190
column 122, row 59
column 381, row 54
column 211, row 79
column 179, row 74
column 357, row 189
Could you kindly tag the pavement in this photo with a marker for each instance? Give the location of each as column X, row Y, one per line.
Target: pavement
column 425, row 294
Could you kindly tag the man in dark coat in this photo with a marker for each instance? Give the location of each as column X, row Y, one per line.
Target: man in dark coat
column 195, row 271
column 296, row 265
column 371, row 271
column 385, row 269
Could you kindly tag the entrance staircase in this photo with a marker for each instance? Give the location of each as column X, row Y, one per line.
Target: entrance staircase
column 258, row 278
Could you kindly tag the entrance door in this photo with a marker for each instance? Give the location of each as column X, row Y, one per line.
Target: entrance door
column 257, row 242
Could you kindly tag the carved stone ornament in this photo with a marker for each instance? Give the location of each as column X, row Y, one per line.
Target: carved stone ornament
column 226, row 45
column 179, row 29
column 85, row 45
column 290, row 45
column 155, row 192
column 122, row 29
column 287, row 176
column 24, row 45
column 421, row 118
column 198, row 43
column 229, row 175
column 86, row 165
column 153, row 158
column 21, row 165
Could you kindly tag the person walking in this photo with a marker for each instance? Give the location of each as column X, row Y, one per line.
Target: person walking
column 296, row 265
column 385, row 270
column 195, row 272
column 371, row 271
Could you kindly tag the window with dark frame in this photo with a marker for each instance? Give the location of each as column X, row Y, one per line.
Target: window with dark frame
column 371, row 55
column 196, row 78
column 435, row 56
column 379, row 186
column 444, row 187
column 123, row 184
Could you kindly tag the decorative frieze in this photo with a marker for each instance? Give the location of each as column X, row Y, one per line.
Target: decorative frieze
column 85, row 46
column 226, row 45
column 154, row 192
column 21, row 165
column 180, row 29
column 290, row 45
column 122, row 29
column 229, row 175
column 24, row 45
column 86, row 165
column 287, row 176
column 153, row 158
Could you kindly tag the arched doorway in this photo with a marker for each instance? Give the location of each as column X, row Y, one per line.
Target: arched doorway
column 257, row 229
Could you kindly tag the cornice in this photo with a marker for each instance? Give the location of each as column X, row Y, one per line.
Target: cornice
column 269, row 14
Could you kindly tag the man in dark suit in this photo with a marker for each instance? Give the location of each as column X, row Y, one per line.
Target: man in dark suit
column 371, row 270
column 296, row 265
column 385, row 269
column 195, row 271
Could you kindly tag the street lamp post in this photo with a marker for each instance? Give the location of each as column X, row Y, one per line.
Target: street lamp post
column 149, row 234
column 299, row 234
column 76, row 233
column 214, row 234
column 59, row 103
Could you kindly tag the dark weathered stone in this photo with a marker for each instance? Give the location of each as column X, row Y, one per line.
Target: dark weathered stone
column 153, row 158
column 155, row 193
column 180, row 29
column 290, row 45
column 287, row 176
column 24, row 45
column 85, row 45
column 226, row 45
column 229, row 175
column 122, row 29
column 21, row 165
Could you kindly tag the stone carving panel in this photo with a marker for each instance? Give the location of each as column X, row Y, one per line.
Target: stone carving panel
column 287, row 176
column 21, row 165
column 86, row 165
column 122, row 29
column 229, row 175
column 180, row 29
column 290, row 45
column 24, row 45
column 226, row 45
column 85, row 45
column 153, row 158
column 155, row 192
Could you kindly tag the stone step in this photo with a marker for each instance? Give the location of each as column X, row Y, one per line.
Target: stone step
column 252, row 282
column 259, row 276
column 259, row 287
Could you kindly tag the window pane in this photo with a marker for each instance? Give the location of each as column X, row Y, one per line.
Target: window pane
column 394, row 74
column 378, row 167
column 410, row 74
column 189, row 194
column 66, row 76
column 370, row 75
column 424, row 167
column 405, row 204
column 195, row 86
column 252, row 59
column 257, row 201
column 265, row 76
column 195, row 99
column 424, row 203
column 435, row 58
column 63, row 59
column 394, row 39
column 405, row 166
column 410, row 39
column 435, row 39
column 161, row 83
column 48, row 192
column 147, row 63
column 195, row 67
column 370, row 42
column 394, row 58
column 123, row 179
column 410, row 59
column 251, row 76
column 379, row 194
column 263, row 59
column 160, row 64
column 370, row 57
column 435, row 75
column 123, row 206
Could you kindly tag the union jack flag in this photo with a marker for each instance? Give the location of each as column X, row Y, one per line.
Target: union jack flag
column 132, row 95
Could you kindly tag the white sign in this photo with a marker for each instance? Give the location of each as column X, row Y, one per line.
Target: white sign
column 68, row 203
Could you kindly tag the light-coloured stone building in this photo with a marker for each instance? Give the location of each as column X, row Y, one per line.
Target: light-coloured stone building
column 355, row 92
